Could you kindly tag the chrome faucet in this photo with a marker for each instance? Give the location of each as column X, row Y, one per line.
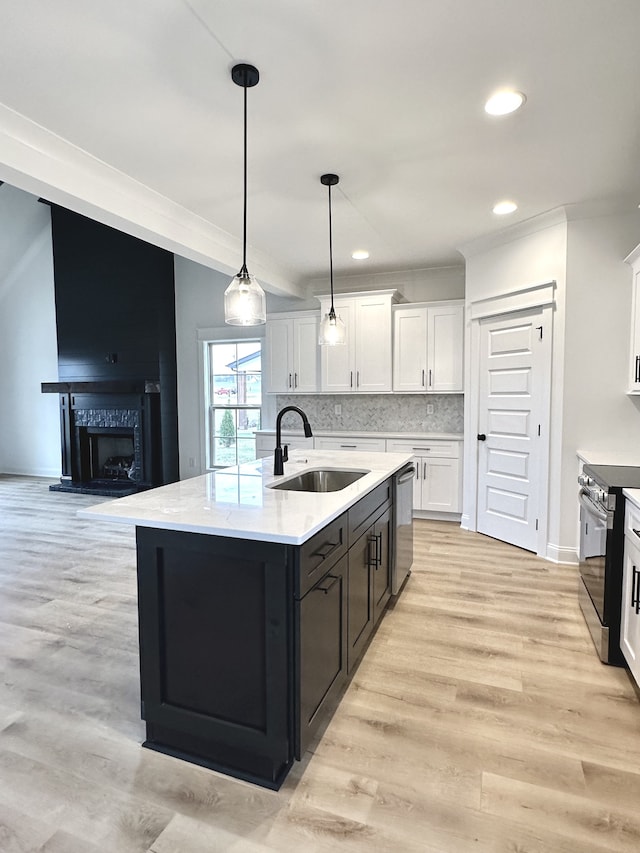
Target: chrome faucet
column 282, row 454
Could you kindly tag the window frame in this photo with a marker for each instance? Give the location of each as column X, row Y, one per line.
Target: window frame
column 212, row 406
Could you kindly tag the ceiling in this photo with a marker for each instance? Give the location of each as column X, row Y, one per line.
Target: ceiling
column 388, row 94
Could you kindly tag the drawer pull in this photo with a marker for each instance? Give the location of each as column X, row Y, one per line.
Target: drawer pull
column 349, row 446
column 421, row 448
column 324, row 550
column 327, row 589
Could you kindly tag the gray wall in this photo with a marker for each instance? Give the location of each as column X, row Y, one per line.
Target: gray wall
column 29, row 420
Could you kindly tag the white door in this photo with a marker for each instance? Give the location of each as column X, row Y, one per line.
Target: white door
column 514, row 379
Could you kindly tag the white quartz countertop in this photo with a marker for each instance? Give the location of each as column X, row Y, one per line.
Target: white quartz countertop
column 329, row 433
column 609, row 457
column 237, row 502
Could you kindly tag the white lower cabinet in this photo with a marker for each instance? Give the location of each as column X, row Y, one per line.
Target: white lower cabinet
column 630, row 614
column 437, row 486
column 378, row 445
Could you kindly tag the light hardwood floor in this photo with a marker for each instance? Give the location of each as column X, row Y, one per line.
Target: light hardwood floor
column 480, row 720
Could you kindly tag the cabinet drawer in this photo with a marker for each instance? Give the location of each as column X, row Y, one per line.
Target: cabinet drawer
column 360, row 514
column 319, row 553
column 375, row 444
column 423, row 447
column 632, row 521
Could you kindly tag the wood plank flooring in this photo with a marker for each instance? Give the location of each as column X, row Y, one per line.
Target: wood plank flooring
column 480, row 720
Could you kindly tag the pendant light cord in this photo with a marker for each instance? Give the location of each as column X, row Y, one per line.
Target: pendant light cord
column 332, row 312
column 244, row 221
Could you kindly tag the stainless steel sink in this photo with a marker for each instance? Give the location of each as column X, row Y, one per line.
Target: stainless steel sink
column 320, row 480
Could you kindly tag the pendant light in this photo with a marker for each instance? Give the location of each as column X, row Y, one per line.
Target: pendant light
column 244, row 299
column 332, row 329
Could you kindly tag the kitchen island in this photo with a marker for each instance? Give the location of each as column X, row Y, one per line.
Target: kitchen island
column 255, row 605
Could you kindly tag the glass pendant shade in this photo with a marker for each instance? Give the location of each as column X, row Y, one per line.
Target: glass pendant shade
column 244, row 301
column 332, row 330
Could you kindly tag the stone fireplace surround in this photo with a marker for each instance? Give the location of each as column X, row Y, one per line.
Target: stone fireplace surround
column 121, row 408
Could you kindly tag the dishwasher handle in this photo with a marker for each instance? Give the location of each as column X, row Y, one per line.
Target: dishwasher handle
column 405, row 474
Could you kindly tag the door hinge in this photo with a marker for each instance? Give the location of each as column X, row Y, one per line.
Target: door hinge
column 536, row 523
column 539, row 329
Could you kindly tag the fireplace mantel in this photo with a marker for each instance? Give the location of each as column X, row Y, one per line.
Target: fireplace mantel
column 108, row 386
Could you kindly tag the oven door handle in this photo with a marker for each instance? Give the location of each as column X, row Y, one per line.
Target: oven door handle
column 600, row 514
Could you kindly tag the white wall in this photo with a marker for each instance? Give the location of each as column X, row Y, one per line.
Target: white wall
column 589, row 409
column 29, row 420
column 598, row 415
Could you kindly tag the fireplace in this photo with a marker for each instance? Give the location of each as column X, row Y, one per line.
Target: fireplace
column 111, row 441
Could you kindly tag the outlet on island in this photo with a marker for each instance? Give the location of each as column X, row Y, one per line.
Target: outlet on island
column 337, row 409
column 429, row 408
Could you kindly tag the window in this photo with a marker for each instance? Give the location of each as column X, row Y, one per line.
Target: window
column 235, row 400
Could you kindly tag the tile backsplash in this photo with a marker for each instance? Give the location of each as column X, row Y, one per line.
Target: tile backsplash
column 376, row 413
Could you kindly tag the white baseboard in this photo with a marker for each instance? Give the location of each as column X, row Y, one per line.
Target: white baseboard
column 436, row 516
column 559, row 554
column 465, row 522
column 35, row 472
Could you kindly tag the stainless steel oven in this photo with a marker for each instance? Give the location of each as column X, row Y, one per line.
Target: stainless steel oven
column 601, row 553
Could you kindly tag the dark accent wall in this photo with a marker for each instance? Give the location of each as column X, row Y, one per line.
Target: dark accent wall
column 115, row 314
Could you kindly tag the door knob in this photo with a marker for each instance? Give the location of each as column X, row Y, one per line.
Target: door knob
column 482, row 436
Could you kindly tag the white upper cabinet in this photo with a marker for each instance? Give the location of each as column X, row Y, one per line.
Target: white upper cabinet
column 363, row 364
column 428, row 347
column 291, row 364
column 634, row 359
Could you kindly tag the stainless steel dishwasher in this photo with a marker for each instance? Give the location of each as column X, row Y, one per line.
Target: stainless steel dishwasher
column 402, row 553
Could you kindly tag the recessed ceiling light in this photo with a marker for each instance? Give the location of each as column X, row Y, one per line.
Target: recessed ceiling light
column 504, row 102
column 503, row 207
column 360, row 255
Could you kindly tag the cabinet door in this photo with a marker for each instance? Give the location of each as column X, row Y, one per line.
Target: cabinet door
column 410, row 349
column 634, row 377
column 215, row 617
column 323, row 649
column 305, row 355
column 630, row 615
column 360, row 596
column 382, row 570
column 279, row 361
column 440, row 491
column 445, row 331
column 373, row 344
column 338, row 363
